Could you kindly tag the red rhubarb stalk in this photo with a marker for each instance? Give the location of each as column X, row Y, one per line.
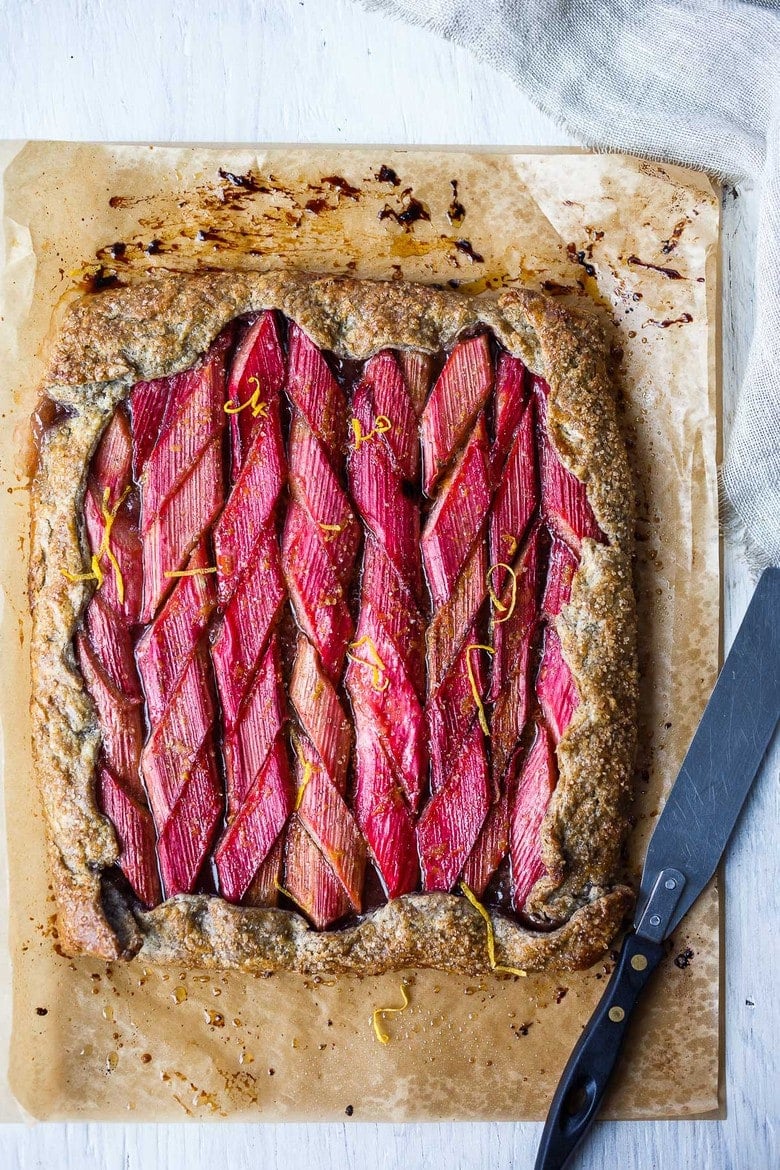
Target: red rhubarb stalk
column 105, row 652
column 384, row 677
column 513, row 587
column 178, row 762
column 181, row 473
column 455, row 556
column 324, row 853
column 246, row 649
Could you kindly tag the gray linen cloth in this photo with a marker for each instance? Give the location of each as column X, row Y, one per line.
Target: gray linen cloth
column 692, row 83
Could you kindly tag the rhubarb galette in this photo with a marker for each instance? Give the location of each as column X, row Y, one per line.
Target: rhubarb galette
column 333, row 648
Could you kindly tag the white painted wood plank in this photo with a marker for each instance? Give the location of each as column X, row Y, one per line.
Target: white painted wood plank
column 324, row 71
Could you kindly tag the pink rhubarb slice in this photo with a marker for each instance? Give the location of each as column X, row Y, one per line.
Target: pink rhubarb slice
column 509, row 402
column 530, row 797
column 490, row 849
column 560, row 575
column 451, row 821
column 383, row 813
column 256, row 378
column 459, row 395
column 513, row 640
column 416, row 368
column 255, row 827
column 134, row 828
column 515, row 500
column 565, row 504
column 555, row 686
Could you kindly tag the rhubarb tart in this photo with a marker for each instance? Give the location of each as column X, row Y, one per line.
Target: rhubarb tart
column 333, row 627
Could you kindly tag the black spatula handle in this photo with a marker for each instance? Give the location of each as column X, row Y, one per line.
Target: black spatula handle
column 587, row 1073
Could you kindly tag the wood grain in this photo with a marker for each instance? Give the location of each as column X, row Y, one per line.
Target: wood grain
column 322, row 70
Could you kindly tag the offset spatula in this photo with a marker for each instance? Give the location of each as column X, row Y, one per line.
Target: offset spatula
column 683, row 854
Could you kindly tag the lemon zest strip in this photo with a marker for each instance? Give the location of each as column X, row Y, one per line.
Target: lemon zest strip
column 506, row 610
column 190, row 572
column 379, row 1013
column 96, row 573
column 491, row 938
column 308, row 769
column 374, row 664
column 473, row 683
column 259, row 408
column 283, row 890
column 381, row 426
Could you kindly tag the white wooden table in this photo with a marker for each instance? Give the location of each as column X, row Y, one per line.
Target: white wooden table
column 323, row 71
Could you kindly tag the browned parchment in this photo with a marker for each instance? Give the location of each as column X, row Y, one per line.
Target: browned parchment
column 635, row 242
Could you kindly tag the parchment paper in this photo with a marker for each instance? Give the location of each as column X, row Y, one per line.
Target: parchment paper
column 635, row 242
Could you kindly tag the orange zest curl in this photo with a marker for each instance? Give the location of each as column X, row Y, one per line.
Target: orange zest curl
column 95, row 572
column 258, row 407
column 473, row 684
column 381, row 426
column 379, row 679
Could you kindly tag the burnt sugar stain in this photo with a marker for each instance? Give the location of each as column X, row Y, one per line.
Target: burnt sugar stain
column 684, row 958
column 579, row 256
column 386, row 174
column 340, row 184
column 670, row 244
column 246, row 182
column 116, row 251
column 683, row 319
column 153, row 248
column 671, row 273
column 316, row 206
column 99, row 279
column 554, row 289
column 412, row 211
column 456, row 212
column 466, row 247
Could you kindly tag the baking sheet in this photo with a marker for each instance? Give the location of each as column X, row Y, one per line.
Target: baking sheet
column 636, row 244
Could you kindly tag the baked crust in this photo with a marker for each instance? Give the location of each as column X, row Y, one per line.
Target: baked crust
column 160, row 326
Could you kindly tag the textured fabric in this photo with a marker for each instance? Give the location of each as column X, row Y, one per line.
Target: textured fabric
column 693, row 83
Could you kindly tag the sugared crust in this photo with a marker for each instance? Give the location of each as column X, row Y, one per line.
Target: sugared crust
column 162, row 325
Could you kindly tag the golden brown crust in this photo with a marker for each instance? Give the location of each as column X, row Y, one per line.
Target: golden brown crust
column 162, row 325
